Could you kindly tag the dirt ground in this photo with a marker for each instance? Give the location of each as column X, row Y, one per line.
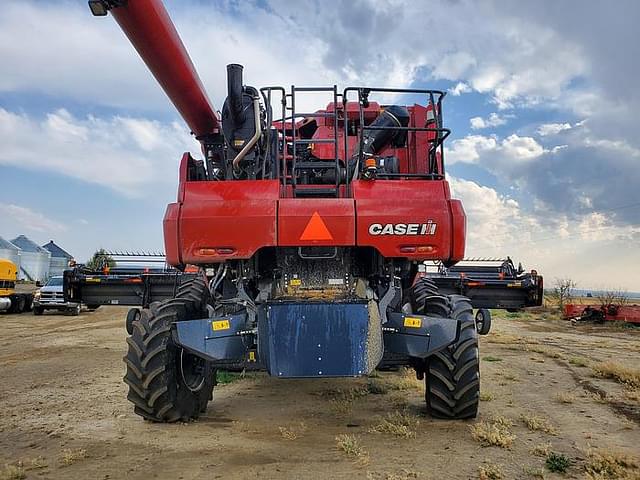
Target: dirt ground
column 64, row 414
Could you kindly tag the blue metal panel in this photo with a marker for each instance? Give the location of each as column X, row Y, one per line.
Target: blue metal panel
column 433, row 334
column 200, row 337
column 315, row 339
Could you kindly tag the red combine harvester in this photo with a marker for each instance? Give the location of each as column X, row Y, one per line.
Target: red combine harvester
column 309, row 229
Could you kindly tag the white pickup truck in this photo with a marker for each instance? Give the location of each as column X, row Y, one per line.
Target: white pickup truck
column 51, row 296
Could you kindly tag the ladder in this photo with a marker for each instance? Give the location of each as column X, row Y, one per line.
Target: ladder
column 302, row 190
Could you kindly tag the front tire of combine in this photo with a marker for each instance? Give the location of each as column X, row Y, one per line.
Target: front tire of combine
column 167, row 383
column 452, row 375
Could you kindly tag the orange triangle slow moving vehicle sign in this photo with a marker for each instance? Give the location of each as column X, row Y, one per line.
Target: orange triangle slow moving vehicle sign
column 316, row 229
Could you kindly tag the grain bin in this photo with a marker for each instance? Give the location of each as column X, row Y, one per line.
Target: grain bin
column 10, row 252
column 34, row 260
column 59, row 261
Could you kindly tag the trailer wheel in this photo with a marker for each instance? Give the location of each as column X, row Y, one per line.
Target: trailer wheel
column 452, row 375
column 132, row 315
column 74, row 311
column 483, row 321
column 167, row 383
column 20, row 303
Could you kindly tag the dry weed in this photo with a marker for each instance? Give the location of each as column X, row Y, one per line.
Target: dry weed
column 620, row 373
column 609, row 464
column 490, row 472
column 486, row 396
column 400, row 424
column 351, row 447
column 293, row 432
column 70, row 456
column 534, row 472
column 537, row 423
column 578, row 361
column 12, row 472
column 564, row 397
column 492, row 433
column 541, row 450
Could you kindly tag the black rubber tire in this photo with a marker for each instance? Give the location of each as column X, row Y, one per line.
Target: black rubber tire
column 73, row 311
column 421, row 291
column 93, row 308
column 38, row 310
column 452, row 375
column 483, row 321
column 158, row 386
column 21, row 303
column 132, row 315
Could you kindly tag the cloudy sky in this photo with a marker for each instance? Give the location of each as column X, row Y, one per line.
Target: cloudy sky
column 543, row 104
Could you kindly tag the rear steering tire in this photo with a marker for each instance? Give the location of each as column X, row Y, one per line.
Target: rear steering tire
column 452, row 375
column 167, row 383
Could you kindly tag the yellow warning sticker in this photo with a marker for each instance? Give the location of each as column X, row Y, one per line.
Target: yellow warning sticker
column 252, row 356
column 413, row 322
column 295, row 282
column 514, row 284
column 221, row 325
column 92, row 280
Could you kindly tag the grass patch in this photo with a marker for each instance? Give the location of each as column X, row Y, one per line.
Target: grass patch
column 541, row 450
column 486, row 396
column 492, row 434
column 511, row 376
column 223, row 377
column 620, row 373
column 351, row 447
column 606, row 464
column 633, row 395
column 564, row 397
column 12, row 472
column 399, row 424
column 403, row 381
column 536, row 423
column 557, row 462
column 534, row 472
column 490, row 472
column 70, row 456
column 578, row 361
column 489, row 358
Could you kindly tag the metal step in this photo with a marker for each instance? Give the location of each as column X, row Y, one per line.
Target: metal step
column 315, row 192
column 315, row 166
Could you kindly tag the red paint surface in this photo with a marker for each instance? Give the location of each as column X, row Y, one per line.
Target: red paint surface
column 295, row 215
column 626, row 313
column 412, row 201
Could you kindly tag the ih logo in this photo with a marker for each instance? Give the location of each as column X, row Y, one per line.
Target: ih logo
column 316, row 229
column 428, row 228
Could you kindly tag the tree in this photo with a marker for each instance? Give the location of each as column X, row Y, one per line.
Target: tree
column 611, row 300
column 563, row 291
column 99, row 260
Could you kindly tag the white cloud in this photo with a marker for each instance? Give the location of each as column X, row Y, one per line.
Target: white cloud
column 128, row 155
column 459, row 89
column 556, row 245
column 552, row 128
column 30, row 219
column 493, row 120
column 493, row 153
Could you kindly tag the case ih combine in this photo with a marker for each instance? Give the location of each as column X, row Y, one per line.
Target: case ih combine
column 308, row 229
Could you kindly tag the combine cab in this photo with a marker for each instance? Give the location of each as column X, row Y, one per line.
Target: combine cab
column 308, row 228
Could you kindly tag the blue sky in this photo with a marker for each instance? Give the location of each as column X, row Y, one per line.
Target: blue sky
column 545, row 150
